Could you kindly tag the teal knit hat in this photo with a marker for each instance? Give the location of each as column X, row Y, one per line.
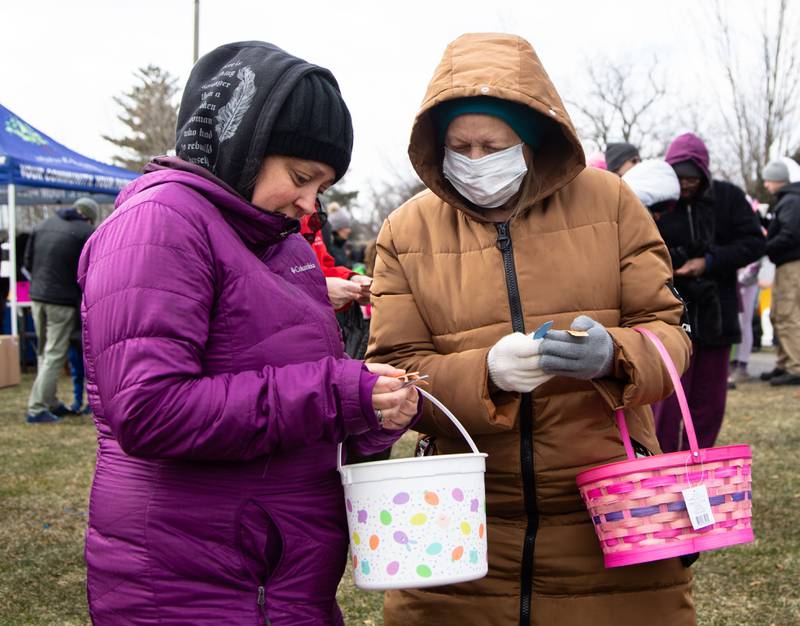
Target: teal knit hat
column 526, row 122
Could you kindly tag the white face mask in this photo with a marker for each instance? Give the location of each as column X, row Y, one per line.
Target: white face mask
column 490, row 181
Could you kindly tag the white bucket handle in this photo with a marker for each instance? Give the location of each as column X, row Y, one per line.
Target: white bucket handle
column 444, row 410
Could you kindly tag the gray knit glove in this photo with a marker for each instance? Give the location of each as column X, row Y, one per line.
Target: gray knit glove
column 578, row 357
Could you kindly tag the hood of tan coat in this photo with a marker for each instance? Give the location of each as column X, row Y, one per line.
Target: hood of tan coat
column 501, row 66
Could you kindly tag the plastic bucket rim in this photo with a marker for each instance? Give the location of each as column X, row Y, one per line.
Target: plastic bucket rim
column 352, row 474
column 438, row 458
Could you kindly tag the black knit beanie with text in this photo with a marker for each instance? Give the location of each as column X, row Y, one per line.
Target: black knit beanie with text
column 246, row 100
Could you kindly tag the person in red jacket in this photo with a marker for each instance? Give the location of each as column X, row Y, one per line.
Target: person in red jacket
column 344, row 285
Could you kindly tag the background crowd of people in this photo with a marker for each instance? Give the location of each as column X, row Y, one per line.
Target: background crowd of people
column 717, row 239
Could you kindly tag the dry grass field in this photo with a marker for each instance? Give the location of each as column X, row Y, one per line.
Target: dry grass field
column 45, row 473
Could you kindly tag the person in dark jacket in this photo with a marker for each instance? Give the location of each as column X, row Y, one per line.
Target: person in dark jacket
column 711, row 232
column 51, row 257
column 783, row 249
column 341, row 227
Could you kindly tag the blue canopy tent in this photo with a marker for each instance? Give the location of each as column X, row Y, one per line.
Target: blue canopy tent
column 29, row 158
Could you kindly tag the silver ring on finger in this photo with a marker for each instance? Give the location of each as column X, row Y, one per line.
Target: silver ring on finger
column 379, row 415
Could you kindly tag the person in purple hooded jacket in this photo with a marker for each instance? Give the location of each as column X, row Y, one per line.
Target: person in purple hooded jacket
column 710, row 232
column 215, row 367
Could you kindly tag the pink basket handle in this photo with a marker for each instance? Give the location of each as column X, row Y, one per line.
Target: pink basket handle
column 676, row 383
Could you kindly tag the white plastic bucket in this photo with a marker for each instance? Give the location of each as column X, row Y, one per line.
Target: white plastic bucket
column 418, row 522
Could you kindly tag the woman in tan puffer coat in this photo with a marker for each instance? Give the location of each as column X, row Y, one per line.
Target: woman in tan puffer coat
column 514, row 231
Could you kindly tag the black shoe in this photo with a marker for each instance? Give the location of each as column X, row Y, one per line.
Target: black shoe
column 62, row 410
column 785, row 379
column 770, row 375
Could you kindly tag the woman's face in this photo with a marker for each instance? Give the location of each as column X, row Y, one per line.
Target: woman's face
column 475, row 135
column 290, row 185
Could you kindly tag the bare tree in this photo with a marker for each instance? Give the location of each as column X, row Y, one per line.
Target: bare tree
column 150, row 112
column 624, row 102
column 386, row 195
column 760, row 111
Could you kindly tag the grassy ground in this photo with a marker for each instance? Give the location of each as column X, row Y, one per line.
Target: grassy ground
column 45, row 473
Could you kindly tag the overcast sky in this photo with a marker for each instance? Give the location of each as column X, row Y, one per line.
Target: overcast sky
column 63, row 61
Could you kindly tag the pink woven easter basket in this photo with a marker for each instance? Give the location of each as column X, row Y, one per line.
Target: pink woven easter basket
column 637, row 505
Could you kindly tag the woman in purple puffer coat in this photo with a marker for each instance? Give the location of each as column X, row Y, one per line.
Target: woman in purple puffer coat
column 215, row 366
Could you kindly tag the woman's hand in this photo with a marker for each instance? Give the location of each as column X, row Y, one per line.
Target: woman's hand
column 342, row 292
column 394, row 405
column 364, row 283
column 692, row 267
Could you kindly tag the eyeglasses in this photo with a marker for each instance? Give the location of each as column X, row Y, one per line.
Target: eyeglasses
column 316, row 221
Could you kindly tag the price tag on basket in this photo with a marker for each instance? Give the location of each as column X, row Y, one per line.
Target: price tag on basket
column 698, row 506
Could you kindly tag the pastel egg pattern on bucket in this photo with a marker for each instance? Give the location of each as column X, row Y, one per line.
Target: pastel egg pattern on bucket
column 413, row 537
column 419, row 519
column 401, row 498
